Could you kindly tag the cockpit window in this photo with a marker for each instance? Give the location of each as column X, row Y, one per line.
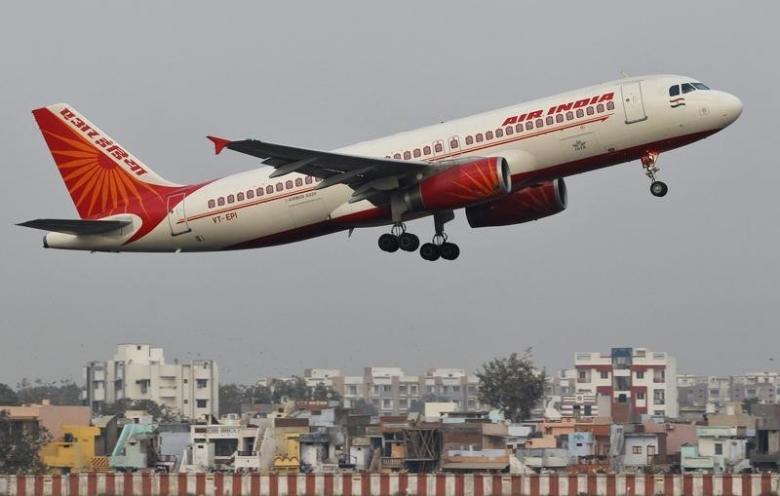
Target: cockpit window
column 674, row 90
column 700, row 86
column 687, row 88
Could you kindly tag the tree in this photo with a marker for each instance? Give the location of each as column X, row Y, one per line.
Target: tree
column 748, row 404
column 7, row 396
column 64, row 392
column 511, row 384
column 363, row 407
column 20, row 446
column 294, row 389
column 321, row 392
column 230, row 398
column 159, row 413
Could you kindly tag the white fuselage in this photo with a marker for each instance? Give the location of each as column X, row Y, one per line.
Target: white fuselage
column 637, row 118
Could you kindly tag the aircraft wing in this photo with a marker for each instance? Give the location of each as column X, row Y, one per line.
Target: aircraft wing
column 76, row 226
column 368, row 176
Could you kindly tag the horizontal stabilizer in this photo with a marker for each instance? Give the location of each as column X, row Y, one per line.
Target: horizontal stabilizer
column 76, row 226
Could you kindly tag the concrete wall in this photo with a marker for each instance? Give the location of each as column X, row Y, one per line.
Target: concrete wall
column 390, row 485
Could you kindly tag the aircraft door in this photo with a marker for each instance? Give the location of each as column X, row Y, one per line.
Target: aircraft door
column 177, row 215
column 633, row 105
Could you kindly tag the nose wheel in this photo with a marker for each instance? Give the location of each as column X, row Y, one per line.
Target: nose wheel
column 649, row 161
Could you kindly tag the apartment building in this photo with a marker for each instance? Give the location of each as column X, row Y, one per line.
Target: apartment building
column 140, row 372
column 637, row 380
column 716, row 391
column 392, row 392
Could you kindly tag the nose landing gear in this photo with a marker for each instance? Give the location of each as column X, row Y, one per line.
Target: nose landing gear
column 657, row 188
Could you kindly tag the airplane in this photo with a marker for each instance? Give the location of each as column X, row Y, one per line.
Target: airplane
column 503, row 167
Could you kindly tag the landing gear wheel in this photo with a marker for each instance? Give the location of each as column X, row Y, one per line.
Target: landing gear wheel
column 659, row 188
column 388, row 243
column 408, row 242
column 449, row 251
column 429, row 251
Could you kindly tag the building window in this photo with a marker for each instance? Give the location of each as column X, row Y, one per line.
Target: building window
column 387, row 388
column 201, row 403
column 637, row 450
column 403, row 389
column 352, row 389
column 456, row 389
column 299, row 182
column 201, row 383
column 582, row 375
column 212, row 204
column 377, row 389
column 718, row 448
column 403, row 403
column 659, row 397
column 387, row 403
column 221, row 201
column 240, row 196
column 431, row 389
column 250, row 194
column 413, row 389
column 640, row 395
column 640, row 374
column 604, row 374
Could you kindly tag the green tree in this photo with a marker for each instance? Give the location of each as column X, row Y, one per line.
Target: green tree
column 230, row 398
column 20, row 446
column 294, row 389
column 257, row 395
column 363, row 407
column 7, row 396
column 321, row 392
column 64, row 392
column 512, row 384
column 160, row 413
column 748, row 404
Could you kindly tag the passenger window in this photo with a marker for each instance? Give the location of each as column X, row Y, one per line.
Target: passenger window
column 416, row 153
column 580, row 113
column 454, row 145
column 489, row 135
column 499, row 133
column 240, row 196
column 509, row 130
column 221, row 201
column 687, row 88
column 469, row 140
column 260, row 191
column 569, row 115
column 397, row 156
column 299, row 182
column 438, row 147
column 549, row 120
column 231, row 199
column 308, row 179
column 269, row 189
column 479, row 137
column 426, row 150
column 600, row 108
column 407, row 155
column 674, row 90
column 539, row 123
column 610, row 105
column 212, row 204
column 589, row 110
column 529, row 125
column 559, row 118
column 519, row 127
column 250, row 194
column 288, row 184
column 279, row 187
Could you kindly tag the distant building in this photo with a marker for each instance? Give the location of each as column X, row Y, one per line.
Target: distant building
column 140, row 372
column 637, row 380
column 393, row 392
column 712, row 393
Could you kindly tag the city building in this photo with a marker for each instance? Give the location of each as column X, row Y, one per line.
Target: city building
column 638, row 381
column 140, row 372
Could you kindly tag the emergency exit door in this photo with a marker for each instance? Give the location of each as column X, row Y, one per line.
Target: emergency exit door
column 633, row 105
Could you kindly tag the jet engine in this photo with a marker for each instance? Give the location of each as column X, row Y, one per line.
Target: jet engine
column 531, row 203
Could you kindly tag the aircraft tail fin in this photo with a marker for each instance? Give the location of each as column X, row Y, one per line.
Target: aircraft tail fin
column 102, row 177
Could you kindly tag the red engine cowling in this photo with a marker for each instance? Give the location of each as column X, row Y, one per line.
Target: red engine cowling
column 527, row 204
column 462, row 185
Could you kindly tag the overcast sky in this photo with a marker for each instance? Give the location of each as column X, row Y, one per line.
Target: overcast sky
column 695, row 273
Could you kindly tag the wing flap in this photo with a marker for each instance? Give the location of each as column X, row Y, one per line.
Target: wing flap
column 76, row 227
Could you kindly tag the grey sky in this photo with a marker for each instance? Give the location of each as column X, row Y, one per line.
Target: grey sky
column 695, row 273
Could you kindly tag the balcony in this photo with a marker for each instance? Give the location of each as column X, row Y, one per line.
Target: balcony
column 393, row 463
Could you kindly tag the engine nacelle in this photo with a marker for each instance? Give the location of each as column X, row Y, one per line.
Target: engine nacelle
column 461, row 185
column 531, row 203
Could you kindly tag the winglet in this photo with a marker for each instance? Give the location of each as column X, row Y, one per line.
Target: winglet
column 219, row 143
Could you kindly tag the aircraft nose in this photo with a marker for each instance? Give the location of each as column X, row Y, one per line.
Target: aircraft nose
column 730, row 108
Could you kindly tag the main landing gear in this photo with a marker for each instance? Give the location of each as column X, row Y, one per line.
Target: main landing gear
column 398, row 238
column 657, row 188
